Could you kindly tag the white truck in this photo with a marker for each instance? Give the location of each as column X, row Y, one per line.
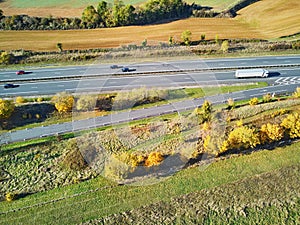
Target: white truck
column 248, row 73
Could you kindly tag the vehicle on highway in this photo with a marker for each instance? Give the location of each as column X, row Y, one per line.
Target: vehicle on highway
column 127, row 69
column 10, row 86
column 115, row 66
column 251, row 73
column 20, row 72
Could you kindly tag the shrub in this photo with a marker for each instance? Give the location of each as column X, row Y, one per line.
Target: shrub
column 154, row 158
column 40, row 99
column 73, row 158
column 296, row 94
column 253, row 101
column 63, row 102
column 267, row 98
column 270, row 133
column 20, row 100
column 230, row 103
column 242, row 137
column 225, row 46
column 86, row 102
column 10, row 196
column 292, row 124
column 6, row 108
column 115, row 169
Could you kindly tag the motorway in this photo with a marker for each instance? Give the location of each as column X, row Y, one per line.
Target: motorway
column 111, row 83
column 282, row 80
column 149, row 67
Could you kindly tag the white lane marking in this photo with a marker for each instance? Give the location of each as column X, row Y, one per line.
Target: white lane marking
column 34, row 87
column 60, row 85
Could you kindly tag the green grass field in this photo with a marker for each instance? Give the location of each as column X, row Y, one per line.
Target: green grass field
column 74, row 8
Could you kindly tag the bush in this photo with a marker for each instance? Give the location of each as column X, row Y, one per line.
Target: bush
column 253, row 101
column 267, row 98
column 270, row 133
column 40, row 99
column 241, row 137
column 63, row 102
column 154, row 159
column 230, row 103
column 296, row 94
column 6, row 108
column 10, row 196
column 292, row 124
column 86, row 103
column 20, row 100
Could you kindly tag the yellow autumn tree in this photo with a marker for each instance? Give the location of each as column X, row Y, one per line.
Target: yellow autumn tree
column 63, row 102
column 6, row 108
column 292, row 124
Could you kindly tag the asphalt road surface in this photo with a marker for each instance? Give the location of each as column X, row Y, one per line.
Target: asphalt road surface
column 104, row 69
column 101, row 84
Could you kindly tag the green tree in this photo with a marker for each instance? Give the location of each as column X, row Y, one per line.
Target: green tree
column 186, row 37
column 63, row 102
column 171, row 41
column 7, row 107
column 90, row 17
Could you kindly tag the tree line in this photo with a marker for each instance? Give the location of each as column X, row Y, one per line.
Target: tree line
column 109, row 15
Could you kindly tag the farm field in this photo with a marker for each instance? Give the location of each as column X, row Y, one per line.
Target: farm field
column 116, row 37
column 273, row 18
column 257, row 21
column 65, row 9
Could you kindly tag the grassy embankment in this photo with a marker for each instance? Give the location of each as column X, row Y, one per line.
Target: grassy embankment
column 89, row 200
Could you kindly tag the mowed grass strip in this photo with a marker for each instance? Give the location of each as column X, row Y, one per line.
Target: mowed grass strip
column 274, row 18
column 104, row 202
column 116, row 37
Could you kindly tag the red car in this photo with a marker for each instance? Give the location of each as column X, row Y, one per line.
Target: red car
column 20, row 72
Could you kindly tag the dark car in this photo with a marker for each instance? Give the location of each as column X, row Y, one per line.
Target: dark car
column 126, row 69
column 10, row 85
column 20, row 72
column 114, row 66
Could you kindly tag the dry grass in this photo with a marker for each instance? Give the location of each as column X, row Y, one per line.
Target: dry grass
column 274, row 18
column 115, row 37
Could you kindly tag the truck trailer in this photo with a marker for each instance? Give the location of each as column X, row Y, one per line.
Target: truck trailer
column 250, row 73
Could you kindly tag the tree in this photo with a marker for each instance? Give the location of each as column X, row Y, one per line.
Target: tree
column 225, row 46
column 171, row 40
column 90, row 17
column 6, row 108
column 186, row 37
column 86, row 102
column 59, row 46
column 63, row 102
column 6, row 58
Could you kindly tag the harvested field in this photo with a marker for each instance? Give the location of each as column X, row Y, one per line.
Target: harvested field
column 115, row 37
column 273, row 18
